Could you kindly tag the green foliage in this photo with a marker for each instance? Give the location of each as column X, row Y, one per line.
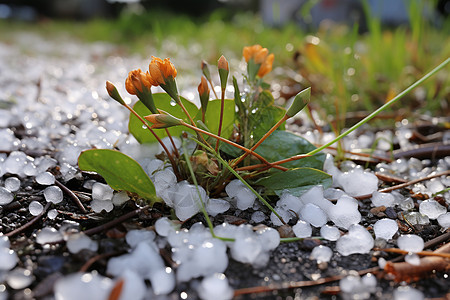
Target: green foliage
column 120, row 171
column 296, row 181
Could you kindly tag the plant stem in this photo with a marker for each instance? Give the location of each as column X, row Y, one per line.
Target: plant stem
column 383, row 107
column 203, row 208
column 262, row 159
column 266, row 135
column 243, row 181
column 212, row 87
column 292, row 158
column 175, row 150
column 169, row 155
column 219, row 131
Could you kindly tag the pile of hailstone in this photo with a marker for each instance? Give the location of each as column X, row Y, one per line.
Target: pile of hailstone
column 85, row 120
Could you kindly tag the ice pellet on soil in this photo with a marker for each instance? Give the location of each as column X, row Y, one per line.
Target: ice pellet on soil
column 45, row 178
column 134, row 237
column 407, row 204
column 357, row 240
column 82, row 286
column 410, row 243
column 8, row 258
column 313, row 214
column 382, row 199
column 163, row 180
column 101, row 191
column 369, row 281
column 6, row 196
column 444, row 220
column 302, row 229
column 289, row 202
column 269, row 238
column 243, row 195
column 163, row 281
column 12, row 184
column 415, row 217
column 315, row 196
column 215, row 287
column 358, row 182
column 48, row 235
column 53, row 194
column 133, row 285
column 330, row 233
column 408, row 293
column 79, row 241
column 186, row 201
column 217, row 206
column 283, row 213
column 431, row 208
column 142, row 260
column 413, row 259
column 99, row 205
column 52, row 213
column 120, row 198
column 164, row 226
column 258, row 217
column 345, row 213
column 35, row 208
column 353, row 288
column 381, row 263
column 385, row 228
column 19, row 278
column 246, row 250
column 4, row 241
column 321, row 254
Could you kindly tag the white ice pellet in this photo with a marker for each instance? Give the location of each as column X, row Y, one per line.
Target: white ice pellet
column 52, row 213
column 12, row 184
column 246, row 250
column 53, row 194
column 82, row 286
column 258, row 217
column 134, row 237
column 408, row 293
column 101, row 191
column 330, row 233
column 6, row 196
column 186, row 201
column 217, row 206
column 345, row 213
column 382, row 199
column 302, row 229
column 369, row 281
column 164, row 226
column 19, row 278
column 120, row 198
column 432, row 209
column 357, row 240
column 385, row 228
column 269, row 238
column 315, row 196
column 284, row 214
column 321, row 254
column 243, row 195
column 45, row 178
column 413, row 259
column 99, row 205
column 48, row 235
column 290, row 202
column 358, row 182
column 133, row 285
column 163, row 180
column 79, row 241
column 35, row 208
column 215, row 287
column 410, row 243
column 8, row 258
column 313, row 214
column 444, row 220
column 381, row 263
column 163, row 281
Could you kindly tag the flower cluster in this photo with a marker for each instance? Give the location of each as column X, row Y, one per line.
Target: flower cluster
column 259, row 60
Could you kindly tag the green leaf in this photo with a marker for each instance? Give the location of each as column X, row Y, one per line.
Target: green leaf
column 212, row 117
column 283, row 144
column 120, row 171
column 264, row 119
column 296, row 181
column 163, row 102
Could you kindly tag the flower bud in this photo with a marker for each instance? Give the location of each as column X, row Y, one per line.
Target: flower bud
column 205, row 70
column 223, row 71
column 113, row 92
column 203, row 91
column 300, row 101
column 162, row 121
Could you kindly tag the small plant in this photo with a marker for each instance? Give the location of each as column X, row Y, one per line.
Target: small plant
column 225, row 139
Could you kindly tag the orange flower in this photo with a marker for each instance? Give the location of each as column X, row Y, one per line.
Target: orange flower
column 259, row 56
column 160, row 71
column 136, row 82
